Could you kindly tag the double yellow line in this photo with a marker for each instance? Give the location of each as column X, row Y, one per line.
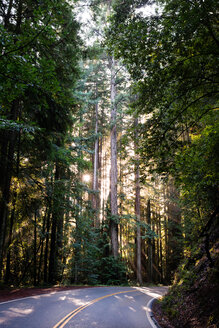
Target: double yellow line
column 69, row 316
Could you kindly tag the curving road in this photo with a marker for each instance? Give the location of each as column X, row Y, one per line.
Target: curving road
column 99, row 307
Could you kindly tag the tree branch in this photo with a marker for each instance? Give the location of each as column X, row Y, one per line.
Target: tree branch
column 29, row 42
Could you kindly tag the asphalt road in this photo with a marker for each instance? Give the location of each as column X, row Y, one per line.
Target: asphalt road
column 99, row 307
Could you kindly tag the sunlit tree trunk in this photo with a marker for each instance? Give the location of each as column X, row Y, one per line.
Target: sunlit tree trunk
column 45, row 269
column 153, row 259
column 35, row 250
column 137, row 208
column 150, row 253
column 53, row 245
column 121, row 191
column 160, row 249
column 8, row 261
column 95, row 169
column 113, row 174
column 175, row 238
column 39, row 277
column 166, row 248
column 57, row 226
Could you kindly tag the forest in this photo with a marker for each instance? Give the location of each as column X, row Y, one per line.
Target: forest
column 108, row 141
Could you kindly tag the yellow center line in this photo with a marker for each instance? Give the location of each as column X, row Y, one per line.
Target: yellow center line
column 70, row 315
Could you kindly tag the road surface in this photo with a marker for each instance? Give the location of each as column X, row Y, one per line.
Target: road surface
column 99, row 307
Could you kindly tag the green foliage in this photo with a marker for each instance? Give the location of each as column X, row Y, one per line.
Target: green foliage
column 112, row 271
column 196, row 166
column 48, row 130
column 40, row 49
column 91, row 262
column 171, row 56
column 173, row 63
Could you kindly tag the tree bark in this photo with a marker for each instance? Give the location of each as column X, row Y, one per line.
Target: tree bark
column 160, row 249
column 113, row 173
column 35, row 250
column 45, row 273
column 42, row 239
column 53, row 245
column 8, row 261
column 150, row 253
column 137, row 208
column 95, row 169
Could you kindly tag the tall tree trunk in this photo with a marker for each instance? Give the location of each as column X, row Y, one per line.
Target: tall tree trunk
column 150, row 253
column 53, row 252
column 8, row 139
column 95, row 169
column 121, row 191
column 8, row 148
column 175, row 237
column 35, row 249
column 166, row 249
column 53, row 245
column 160, row 248
column 6, row 166
column 100, row 182
column 8, row 262
column 137, row 208
column 60, row 254
column 42, row 239
column 14, row 199
column 45, row 273
column 153, row 260
column 113, row 173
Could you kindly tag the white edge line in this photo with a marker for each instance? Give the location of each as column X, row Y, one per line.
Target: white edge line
column 149, row 313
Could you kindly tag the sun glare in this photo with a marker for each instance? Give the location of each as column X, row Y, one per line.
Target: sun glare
column 86, row 178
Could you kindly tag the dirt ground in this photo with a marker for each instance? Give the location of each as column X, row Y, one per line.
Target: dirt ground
column 162, row 320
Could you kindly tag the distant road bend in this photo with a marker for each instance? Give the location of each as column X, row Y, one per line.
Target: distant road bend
column 100, row 307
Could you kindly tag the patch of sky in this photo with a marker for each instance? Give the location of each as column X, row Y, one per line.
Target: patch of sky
column 85, row 18
column 149, row 10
